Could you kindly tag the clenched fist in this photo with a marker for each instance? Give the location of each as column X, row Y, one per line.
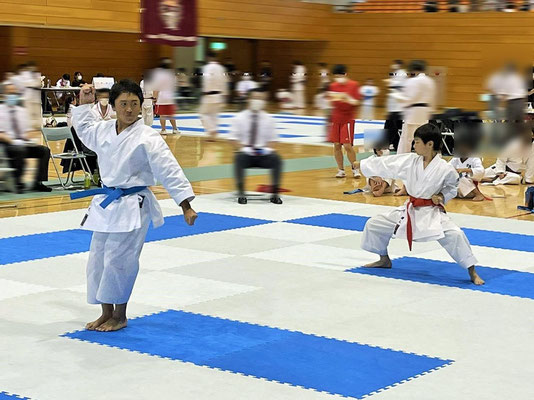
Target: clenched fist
column 87, row 94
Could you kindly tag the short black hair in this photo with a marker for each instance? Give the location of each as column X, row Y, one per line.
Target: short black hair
column 104, row 90
column 429, row 132
column 400, row 62
column 297, row 62
column 125, row 86
column 66, row 77
column 417, row 66
column 211, row 54
column 339, row 69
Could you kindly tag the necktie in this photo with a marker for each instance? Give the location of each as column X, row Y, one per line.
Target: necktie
column 16, row 129
column 253, row 129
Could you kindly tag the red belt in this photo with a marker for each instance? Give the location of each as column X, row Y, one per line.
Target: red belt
column 415, row 202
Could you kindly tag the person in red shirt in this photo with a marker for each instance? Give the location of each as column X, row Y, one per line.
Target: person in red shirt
column 345, row 97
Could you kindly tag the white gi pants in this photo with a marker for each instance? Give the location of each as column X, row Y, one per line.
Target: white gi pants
column 465, row 186
column 529, row 172
column 299, row 97
column 367, row 113
column 379, row 230
column 114, row 263
column 406, row 139
column 35, row 113
column 148, row 114
column 511, row 178
column 209, row 115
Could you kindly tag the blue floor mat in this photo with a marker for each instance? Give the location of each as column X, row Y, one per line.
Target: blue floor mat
column 501, row 281
column 477, row 237
column 52, row 244
column 5, row 396
column 313, row 362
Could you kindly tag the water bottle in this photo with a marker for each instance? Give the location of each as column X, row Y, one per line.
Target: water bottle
column 87, row 181
column 96, row 177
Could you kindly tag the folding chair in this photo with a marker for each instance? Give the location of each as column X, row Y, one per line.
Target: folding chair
column 6, row 172
column 64, row 133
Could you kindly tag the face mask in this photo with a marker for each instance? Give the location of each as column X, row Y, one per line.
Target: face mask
column 79, row 77
column 257, row 104
column 341, row 79
column 12, row 99
column 104, row 102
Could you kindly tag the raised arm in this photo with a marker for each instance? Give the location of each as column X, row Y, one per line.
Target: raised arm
column 388, row 167
column 83, row 120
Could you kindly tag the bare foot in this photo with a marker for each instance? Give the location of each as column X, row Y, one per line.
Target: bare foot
column 112, row 324
column 91, row 326
column 477, row 280
column 401, row 192
column 479, row 197
column 384, row 262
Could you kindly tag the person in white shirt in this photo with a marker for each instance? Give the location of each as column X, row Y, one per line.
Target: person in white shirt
column 254, row 133
column 509, row 93
column 368, row 92
column 64, row 81
column 163, row 82
column 29, row 83
column 147, row 109
column 243, row 87
column 102, row 110
column 298, row 84
column 395, row 83
column 132, row 157
column 214, row 92
column 14, row 130
column 418, row 99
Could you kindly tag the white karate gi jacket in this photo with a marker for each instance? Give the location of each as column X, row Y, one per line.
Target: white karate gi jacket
column 419, row 89
column 438, row 177
column 138, row 156
column 474, row 163
column 214, row 79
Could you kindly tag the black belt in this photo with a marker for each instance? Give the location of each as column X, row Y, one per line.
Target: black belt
column 419, row 105
column 211, row 93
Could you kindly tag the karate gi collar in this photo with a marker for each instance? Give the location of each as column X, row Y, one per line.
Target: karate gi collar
column 119, row 138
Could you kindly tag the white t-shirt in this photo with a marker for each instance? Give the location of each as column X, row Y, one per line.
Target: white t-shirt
column 368, row 92
column 164, row 82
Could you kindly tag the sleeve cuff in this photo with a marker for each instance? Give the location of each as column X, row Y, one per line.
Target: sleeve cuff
column 188, row 195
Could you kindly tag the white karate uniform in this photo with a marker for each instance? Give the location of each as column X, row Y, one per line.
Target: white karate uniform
column 30, row 82
column 369, row 93
column 214, row 79
column 298, row 85
column 420, row 89
column 108, row 115
column 467, row 180
column 511, row 162
column 428, row 223
column 138, row 156
column 147, row 109
column 244, row 86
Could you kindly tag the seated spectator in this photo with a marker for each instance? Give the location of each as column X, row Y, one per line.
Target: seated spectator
column 64, row 81
column 13, row 136
column 78, row 79
column 254, row 132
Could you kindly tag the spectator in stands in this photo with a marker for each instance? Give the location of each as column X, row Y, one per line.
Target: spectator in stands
column 454, row 6
column 243, row 87
column 64, row 81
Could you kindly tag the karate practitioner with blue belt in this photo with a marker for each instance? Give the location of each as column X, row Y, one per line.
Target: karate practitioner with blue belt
column 132, row 157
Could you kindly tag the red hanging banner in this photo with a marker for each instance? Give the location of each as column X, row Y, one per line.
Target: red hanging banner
column 171, row 22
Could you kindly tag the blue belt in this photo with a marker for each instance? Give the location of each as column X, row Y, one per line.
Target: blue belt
column 111, row 193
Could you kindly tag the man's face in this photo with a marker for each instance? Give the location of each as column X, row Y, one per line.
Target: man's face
column 128, row 107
